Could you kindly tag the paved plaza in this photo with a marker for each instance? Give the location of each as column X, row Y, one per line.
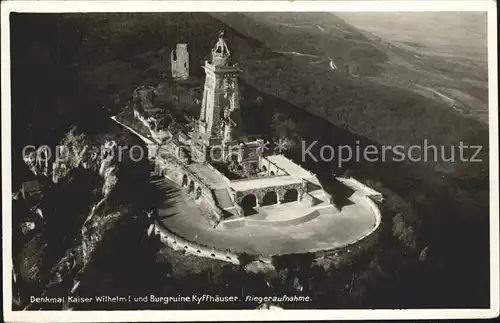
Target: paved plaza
column 181, row 215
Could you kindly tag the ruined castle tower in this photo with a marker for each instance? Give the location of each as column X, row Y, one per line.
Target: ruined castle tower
column 220, row 104
column 179, row 58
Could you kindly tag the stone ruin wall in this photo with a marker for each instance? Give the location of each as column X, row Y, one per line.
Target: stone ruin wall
column 180, row 62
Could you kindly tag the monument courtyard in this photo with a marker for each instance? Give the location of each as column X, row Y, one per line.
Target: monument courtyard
column 223, row 189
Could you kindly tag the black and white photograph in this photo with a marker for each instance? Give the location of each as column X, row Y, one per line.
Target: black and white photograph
column 254, row 158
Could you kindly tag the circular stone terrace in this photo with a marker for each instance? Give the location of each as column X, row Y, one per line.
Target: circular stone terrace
column 329, row 229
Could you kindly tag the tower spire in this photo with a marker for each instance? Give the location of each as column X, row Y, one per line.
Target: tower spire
column 220, row 52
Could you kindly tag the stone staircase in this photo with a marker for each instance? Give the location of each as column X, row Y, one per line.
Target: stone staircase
column 310, row 200
column 320, row 195
column 223, row 199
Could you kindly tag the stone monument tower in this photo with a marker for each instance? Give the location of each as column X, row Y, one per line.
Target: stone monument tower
column 220, row 104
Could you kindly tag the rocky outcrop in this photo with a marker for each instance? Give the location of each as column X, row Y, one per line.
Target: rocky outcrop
column 150, row 122
column 76, row 150
column 42, row 261
column 94, row 230
column 38, row 160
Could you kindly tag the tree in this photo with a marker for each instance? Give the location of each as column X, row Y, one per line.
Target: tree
column 398, row 225
column 424, row 254
column 409, row 237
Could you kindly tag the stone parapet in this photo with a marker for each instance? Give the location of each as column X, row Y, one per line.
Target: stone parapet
column 177, row 243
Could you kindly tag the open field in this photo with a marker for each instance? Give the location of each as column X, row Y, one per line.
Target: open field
column 381, row 53
column 451, row 34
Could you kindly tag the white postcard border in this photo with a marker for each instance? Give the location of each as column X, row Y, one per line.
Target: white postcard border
column 225, row 6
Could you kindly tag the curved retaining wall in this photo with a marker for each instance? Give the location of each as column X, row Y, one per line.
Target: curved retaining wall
column 178, row 243
column 378, row 220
